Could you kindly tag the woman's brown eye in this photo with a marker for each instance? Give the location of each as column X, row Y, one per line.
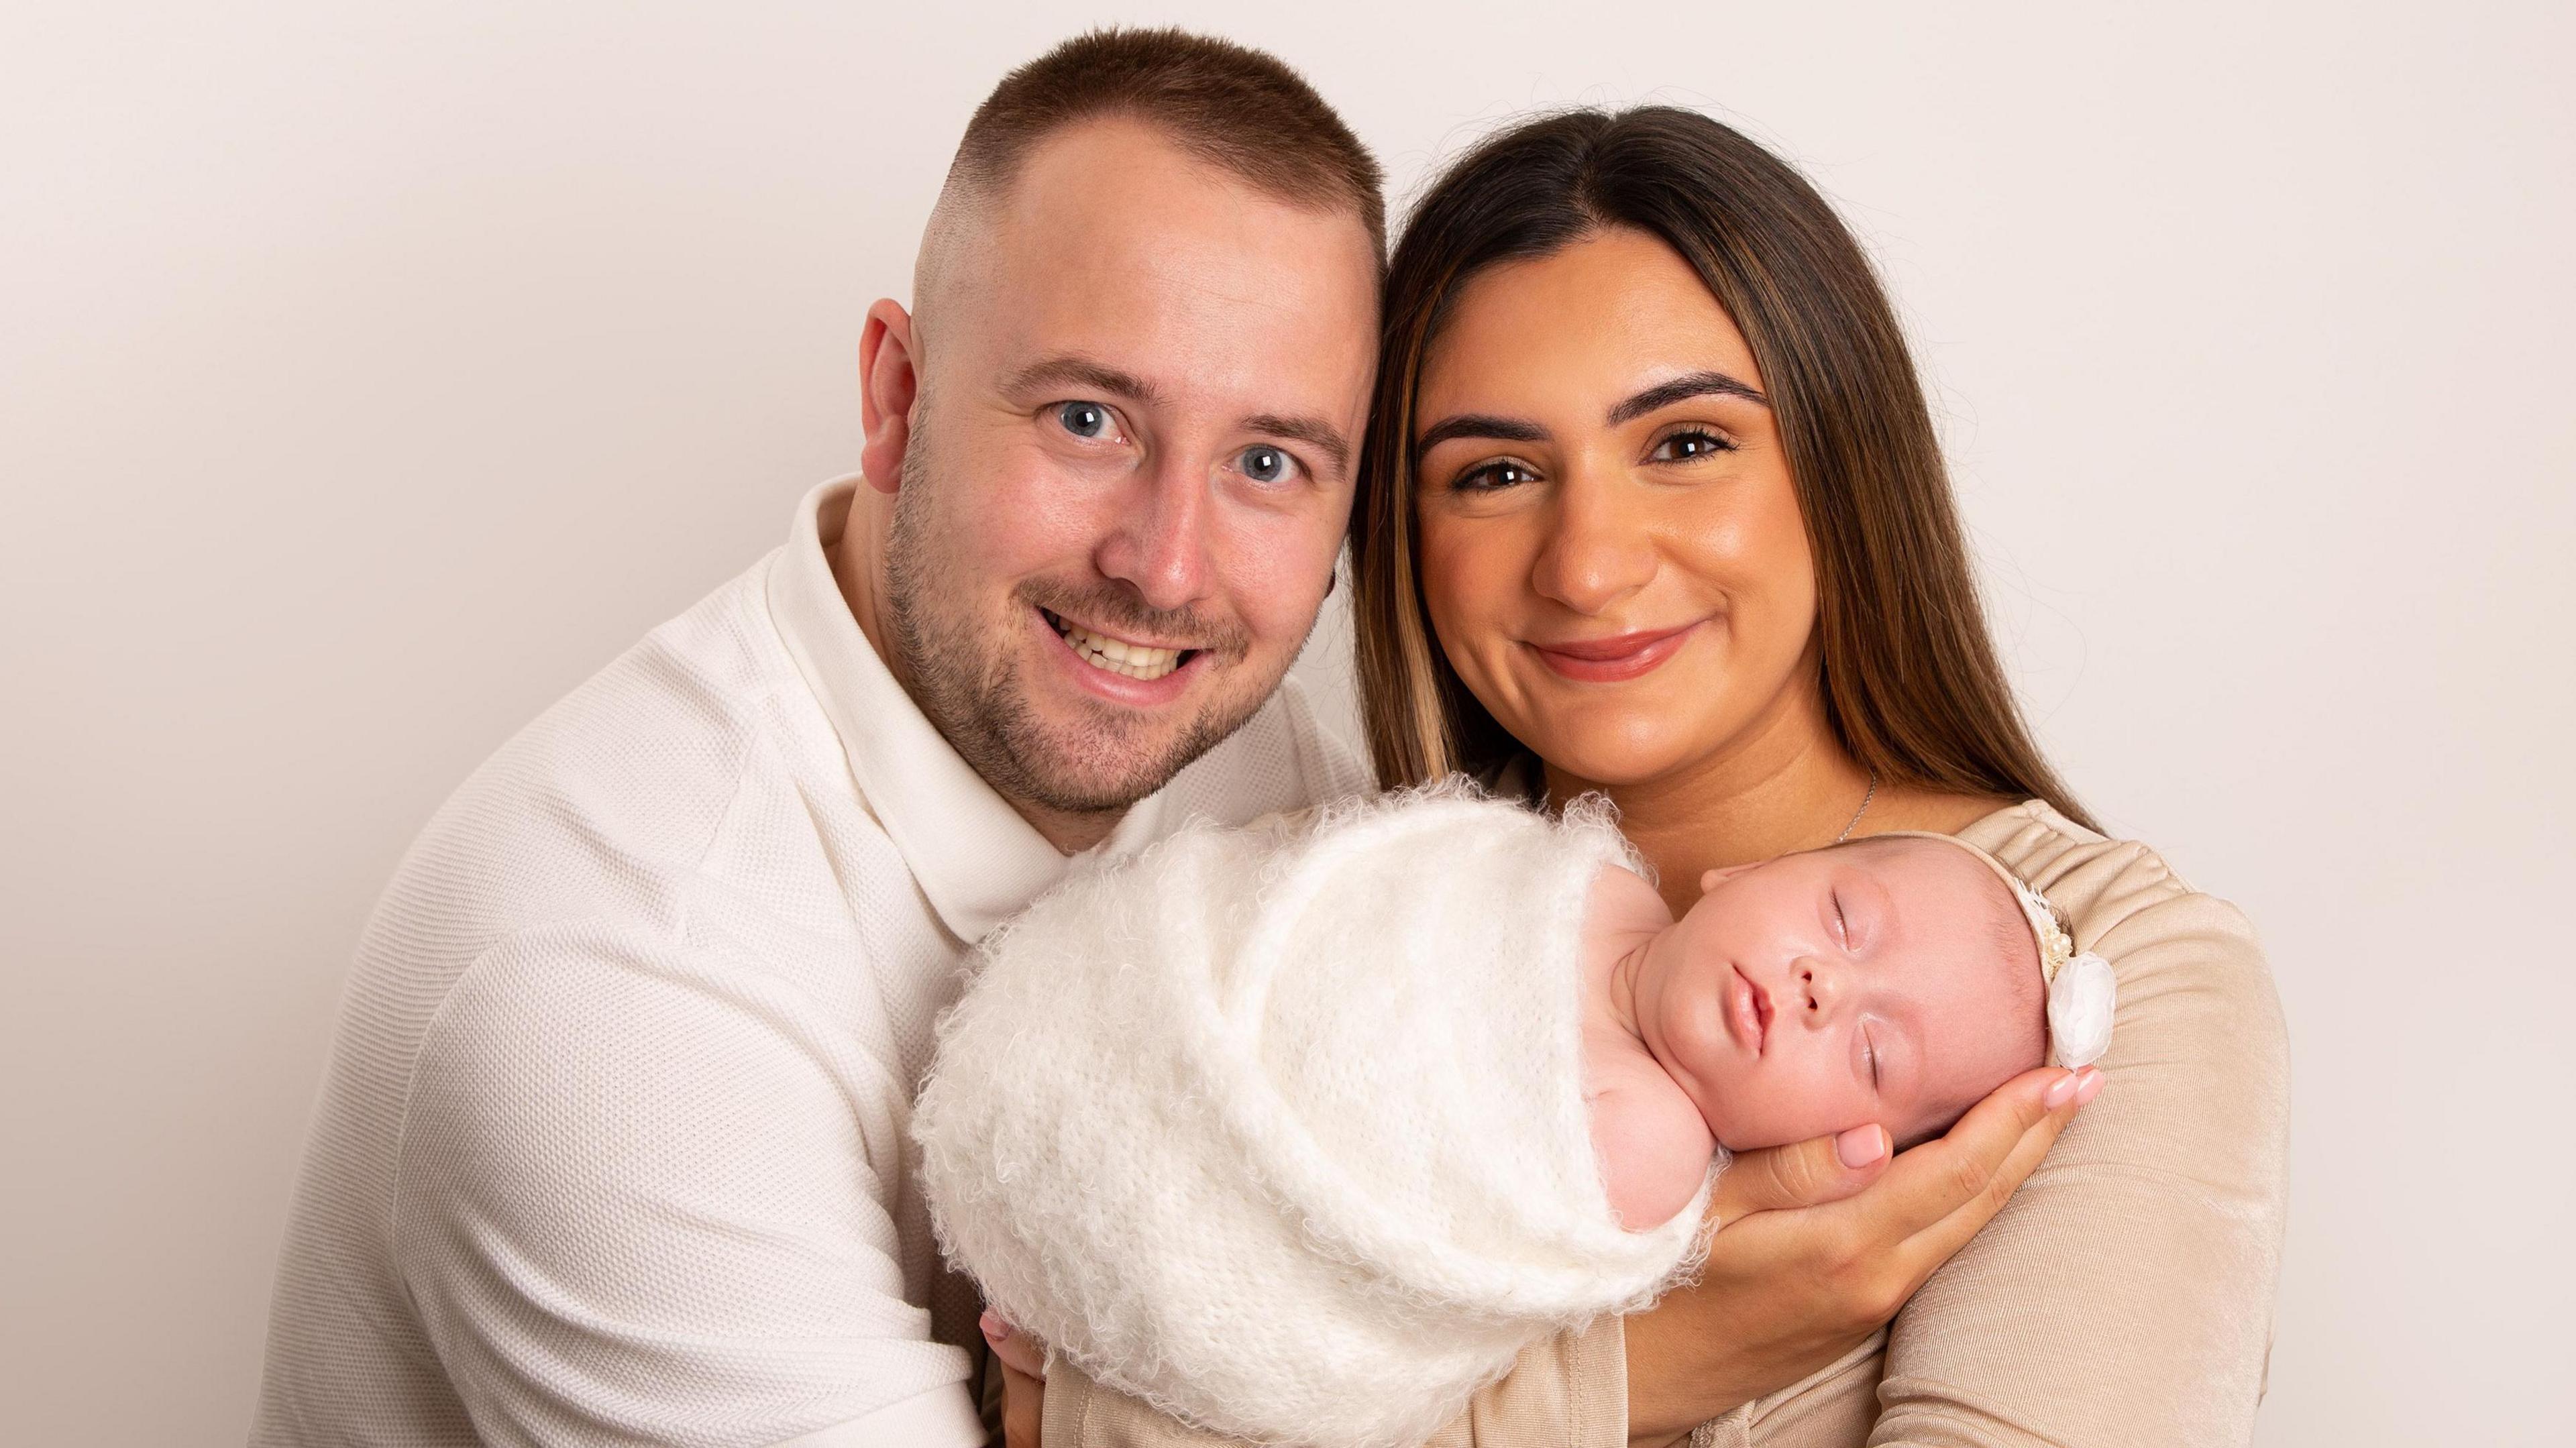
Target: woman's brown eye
column 1492, row 476
column 1686, row 446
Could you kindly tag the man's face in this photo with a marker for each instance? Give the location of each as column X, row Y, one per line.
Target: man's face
column 1129, row 466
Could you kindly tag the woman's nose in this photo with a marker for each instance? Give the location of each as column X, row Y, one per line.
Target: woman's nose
column 1598, row 553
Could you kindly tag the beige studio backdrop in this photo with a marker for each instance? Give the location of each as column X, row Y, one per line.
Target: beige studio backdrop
column 369, row 375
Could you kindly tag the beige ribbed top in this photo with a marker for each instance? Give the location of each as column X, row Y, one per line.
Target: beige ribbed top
column 2124, row 1295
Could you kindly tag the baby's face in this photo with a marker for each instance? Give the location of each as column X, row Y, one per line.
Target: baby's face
column 1888, row 980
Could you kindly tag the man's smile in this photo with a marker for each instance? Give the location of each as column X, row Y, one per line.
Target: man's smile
column 1135, row 659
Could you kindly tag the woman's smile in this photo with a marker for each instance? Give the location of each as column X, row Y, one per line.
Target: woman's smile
column 1616, row 657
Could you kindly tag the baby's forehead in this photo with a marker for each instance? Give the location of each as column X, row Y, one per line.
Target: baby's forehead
column 1924, row 854
column 1946, row 887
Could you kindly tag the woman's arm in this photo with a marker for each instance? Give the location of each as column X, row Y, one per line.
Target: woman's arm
column 2125, row 1295
column 1562, row 1393
column 1785, row 1294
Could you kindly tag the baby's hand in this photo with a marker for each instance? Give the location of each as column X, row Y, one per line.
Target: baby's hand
column 1020, row 1352
column 1023, row 1360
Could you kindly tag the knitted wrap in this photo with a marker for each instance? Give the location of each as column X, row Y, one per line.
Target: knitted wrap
column 1282, row 1129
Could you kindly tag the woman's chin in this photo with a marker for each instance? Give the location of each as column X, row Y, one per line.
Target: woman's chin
column 1627, row 737
column 1611, row 764
column 1606, row 745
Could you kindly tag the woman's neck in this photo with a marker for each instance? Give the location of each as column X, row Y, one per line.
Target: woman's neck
column 1785, row 784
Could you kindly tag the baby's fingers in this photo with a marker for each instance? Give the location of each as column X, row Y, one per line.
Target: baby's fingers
column 1017, row 1350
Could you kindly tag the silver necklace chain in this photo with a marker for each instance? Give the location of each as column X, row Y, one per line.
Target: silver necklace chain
column 1870, row 794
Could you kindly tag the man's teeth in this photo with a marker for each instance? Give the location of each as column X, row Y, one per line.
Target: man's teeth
column 1134, row 661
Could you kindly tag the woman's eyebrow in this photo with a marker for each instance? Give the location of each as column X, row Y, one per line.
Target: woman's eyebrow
column 1478, row 424
column 1697, row 384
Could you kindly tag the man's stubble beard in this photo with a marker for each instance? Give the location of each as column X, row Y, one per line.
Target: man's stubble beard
column 965, row 675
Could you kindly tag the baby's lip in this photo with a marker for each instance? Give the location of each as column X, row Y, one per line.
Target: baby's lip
column 1748, row 1013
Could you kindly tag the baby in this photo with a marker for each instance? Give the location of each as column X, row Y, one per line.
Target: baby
column 1303, row 1131
column 1895, row 980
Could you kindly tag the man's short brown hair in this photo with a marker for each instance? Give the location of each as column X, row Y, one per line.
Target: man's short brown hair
column 1229, row 105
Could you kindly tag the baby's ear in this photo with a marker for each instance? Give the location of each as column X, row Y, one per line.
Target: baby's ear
column 1711, row 879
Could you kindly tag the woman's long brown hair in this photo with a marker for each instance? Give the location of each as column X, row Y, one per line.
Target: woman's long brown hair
column 1911, row 684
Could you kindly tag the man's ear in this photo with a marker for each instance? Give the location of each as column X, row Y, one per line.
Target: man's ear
column 1711, row 879
column 887, row 386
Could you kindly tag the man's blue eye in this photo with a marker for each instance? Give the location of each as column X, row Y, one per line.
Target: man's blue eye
column 1082, row 419
column 1264, row 464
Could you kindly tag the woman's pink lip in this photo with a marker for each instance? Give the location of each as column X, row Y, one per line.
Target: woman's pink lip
column 1745, row 1014
column 1621, row 656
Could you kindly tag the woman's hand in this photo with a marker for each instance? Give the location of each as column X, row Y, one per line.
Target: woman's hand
column 1023, row 1362
column 1821, row 1243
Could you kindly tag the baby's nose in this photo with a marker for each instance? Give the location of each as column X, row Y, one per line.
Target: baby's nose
column 1819, row 990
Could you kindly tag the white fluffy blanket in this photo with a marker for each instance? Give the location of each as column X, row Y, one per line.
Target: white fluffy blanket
column 1282, row 1129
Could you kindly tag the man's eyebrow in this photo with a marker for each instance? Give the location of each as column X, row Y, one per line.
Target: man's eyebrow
column 1081, row 372
column 1680, row 389
column 1478, row 424
column 1316, row 433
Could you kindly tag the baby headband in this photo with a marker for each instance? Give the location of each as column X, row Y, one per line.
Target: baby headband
column 2082, row 991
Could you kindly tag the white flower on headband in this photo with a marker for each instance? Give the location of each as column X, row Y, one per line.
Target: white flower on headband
column 2083, row 994
column 2080, row 1004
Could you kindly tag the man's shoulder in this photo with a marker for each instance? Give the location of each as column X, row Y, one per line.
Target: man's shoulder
column 1285, row 758
column 606, row 805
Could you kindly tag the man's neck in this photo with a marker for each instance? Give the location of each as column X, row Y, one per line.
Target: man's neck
column 1071, row 834
column 858, row 566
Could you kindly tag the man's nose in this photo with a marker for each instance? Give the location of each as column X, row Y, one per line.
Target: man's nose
column 1159, row 542
column 1599, row 551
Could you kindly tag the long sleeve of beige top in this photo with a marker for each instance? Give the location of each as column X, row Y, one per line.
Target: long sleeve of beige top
column 2124, row 1296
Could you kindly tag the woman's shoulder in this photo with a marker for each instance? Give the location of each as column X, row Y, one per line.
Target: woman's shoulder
column 2192, row 976
column 2146, row 1246
column 2102, row 885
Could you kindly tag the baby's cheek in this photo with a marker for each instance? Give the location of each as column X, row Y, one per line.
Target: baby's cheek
column 1798, row 1101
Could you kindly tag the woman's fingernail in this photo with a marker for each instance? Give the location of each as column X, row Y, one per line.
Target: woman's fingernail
column 2091, row 1088
column 995, row 1329
column 2062, row 1090
column 1861, row 1145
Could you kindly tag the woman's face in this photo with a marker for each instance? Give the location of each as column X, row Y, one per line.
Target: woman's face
column 1612, row 551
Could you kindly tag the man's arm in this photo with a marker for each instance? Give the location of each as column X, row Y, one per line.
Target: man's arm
column 636, row 1202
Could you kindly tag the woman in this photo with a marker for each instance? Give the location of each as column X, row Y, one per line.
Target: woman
column 1654, row 507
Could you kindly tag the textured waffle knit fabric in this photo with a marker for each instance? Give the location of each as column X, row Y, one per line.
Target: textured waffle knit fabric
column 2122, row 1299
column 1283, row 1127
column 613, row 1144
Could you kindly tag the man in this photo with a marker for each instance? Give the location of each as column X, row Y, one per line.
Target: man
column 613, row 1145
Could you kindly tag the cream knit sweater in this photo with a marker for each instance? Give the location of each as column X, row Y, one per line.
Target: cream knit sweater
column 1282, row 1129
